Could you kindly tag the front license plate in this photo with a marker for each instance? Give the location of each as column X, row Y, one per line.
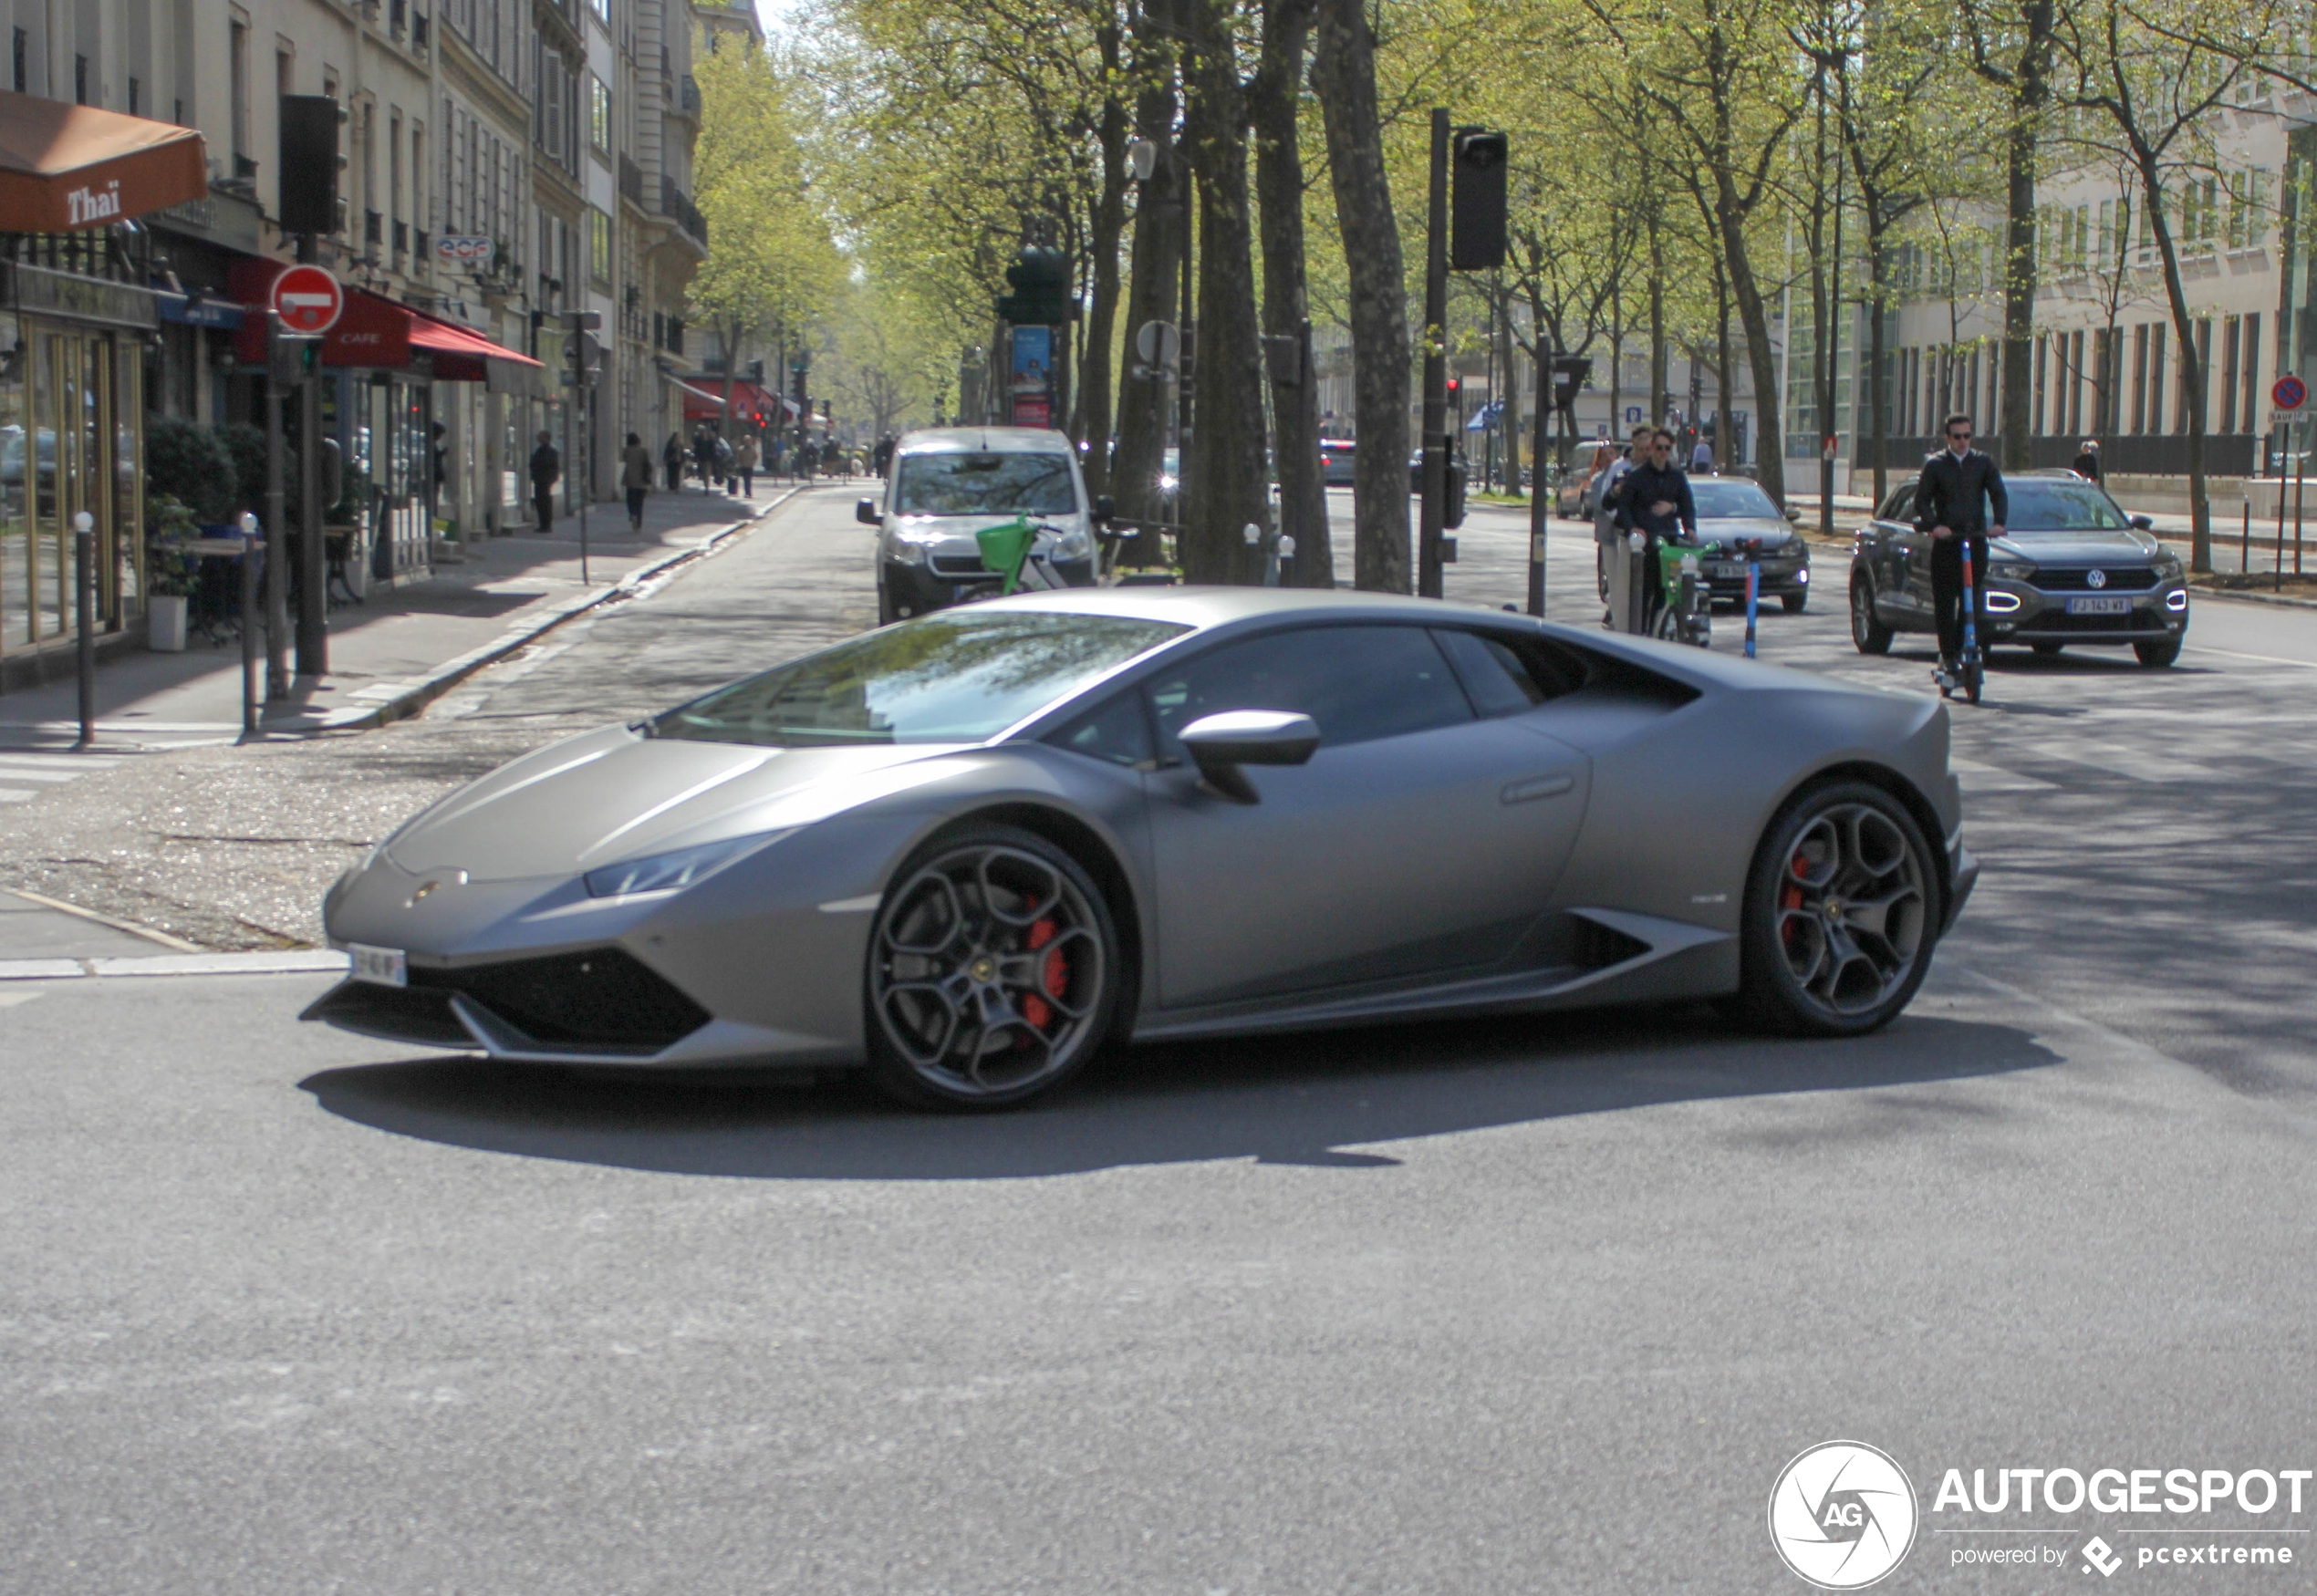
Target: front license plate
column 383, row 967
column 1724, row 568
column 2099, row 606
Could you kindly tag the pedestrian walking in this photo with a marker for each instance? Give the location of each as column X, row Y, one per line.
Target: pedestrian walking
column 671, row 459
column 547, row 470
column 703, row 455
column 744, row 464
column 1654, row 499
column 807, row 457
column 1608, row 542
column 723, row 462
column 1701, row 458
column 884, row 456
column 635, row 475
column 2087, row 460
column 1960, row 501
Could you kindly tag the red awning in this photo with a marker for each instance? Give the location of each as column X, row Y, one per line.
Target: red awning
column 704, row 399
column 66, row 166
column 374, row 333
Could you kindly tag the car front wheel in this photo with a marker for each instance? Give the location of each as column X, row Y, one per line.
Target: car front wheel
column 1841, row 916
column 994, row 972
column 2157, row 656
column 1866, row 628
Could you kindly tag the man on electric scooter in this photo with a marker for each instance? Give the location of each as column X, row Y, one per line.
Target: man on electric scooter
column 1959, row 489
column 1654, row 499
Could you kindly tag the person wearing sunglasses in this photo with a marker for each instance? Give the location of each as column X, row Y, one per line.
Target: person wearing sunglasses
column 1958, row 502
column 1654, row 499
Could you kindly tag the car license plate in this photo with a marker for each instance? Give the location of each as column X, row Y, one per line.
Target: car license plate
column 383, row 967
column 1724, row 568
column 2099, row 606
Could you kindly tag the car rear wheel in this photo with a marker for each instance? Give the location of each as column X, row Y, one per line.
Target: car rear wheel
column 1841, row 916
column 2157, row 656
column 994, row 972
column 1866, row 628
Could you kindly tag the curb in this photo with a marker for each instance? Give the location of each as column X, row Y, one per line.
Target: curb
column 303, row 962
column 450, row 673
column 2252, row 595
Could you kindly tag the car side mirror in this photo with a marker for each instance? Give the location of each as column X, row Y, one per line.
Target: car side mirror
column 1219, row 744
column 868, row 513
column 2145, row 522
column 1106, row 509
column 1795, row 513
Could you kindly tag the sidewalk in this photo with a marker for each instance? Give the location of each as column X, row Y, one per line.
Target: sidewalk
column 401, row 648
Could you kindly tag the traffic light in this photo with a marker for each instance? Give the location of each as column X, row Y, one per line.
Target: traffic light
column 1454, row 384
column 1476, row 230
column 1569, row 372
column 756, row 372
column 310, row 162
column 1041, row 281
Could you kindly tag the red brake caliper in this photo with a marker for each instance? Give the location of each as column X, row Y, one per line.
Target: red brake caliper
column 1053, row 975
column 1789, row 896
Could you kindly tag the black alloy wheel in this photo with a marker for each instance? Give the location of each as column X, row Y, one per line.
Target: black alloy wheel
column 2157, row 655
column 993, row 971
column 1866, row 629
column 1795, row 603
column 1842, row 913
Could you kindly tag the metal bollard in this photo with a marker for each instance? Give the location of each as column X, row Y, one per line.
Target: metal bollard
column 253, row 680
column 84, row 581
column 1753, row 601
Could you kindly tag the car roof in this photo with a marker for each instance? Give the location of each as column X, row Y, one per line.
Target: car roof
column 983, row 441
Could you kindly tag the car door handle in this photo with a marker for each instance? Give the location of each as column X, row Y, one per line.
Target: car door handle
column 1538, row 787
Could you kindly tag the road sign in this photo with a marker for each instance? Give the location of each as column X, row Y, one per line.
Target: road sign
column 1159, row 344
column 2288, row 393
column 308, row 300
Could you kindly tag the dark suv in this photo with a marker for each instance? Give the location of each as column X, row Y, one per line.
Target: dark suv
column 2070, row 568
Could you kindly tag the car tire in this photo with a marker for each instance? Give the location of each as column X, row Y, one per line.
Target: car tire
column 1795, row 603
column 1842, row 910
column 885, row 612
column 2049, row 650
column 1866, row 628
column 2157, row 656
column 992, row 972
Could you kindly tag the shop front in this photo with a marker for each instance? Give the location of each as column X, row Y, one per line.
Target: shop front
column 76, row 322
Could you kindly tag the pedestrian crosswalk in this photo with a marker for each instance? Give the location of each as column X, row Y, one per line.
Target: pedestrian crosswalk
column 25, row 774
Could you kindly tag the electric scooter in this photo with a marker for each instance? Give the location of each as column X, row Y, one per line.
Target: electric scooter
column 1970, row 670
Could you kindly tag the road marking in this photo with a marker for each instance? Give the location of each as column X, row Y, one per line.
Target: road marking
column 1980, row 778
column 2236, row 654
column 17, row 795
column 2136, row 763
column 295, row 962
column 11, row 1000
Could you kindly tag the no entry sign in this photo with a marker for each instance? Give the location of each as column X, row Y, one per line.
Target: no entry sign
column 308, row 300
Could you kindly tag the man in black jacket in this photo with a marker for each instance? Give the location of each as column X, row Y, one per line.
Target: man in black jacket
column 1654, row 499
column 1959, row 502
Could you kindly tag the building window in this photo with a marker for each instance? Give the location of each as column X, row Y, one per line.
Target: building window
column 599, row 114
column 22, row 55
column 80, row 80
column 599, row 247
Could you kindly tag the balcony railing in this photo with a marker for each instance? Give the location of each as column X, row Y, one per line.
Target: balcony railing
column 676, row 206
column 688, row 96
column 631, row 180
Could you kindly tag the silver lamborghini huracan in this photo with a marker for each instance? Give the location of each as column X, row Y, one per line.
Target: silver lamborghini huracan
column 966, row 850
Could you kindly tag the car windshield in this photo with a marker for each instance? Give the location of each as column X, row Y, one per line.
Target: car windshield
column 956, row 676
column 985, row 485
column 1720, row 498
column 2057, row 504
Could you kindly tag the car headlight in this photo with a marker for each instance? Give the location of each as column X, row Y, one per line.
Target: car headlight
column 1073, row 545
column 665, row 872
column 2010, row 570
column 905, row 550
column 2167, row 567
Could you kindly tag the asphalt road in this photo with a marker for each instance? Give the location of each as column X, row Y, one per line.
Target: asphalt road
column 1504, row 1307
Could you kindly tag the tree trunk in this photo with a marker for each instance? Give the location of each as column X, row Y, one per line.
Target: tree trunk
column 1102, row 315
column 2031, row 89
column 2192, row 372
column 1725, row 435
column 1275, row 96
column 1877, row 417
column 1161, row 214
column 1769, row 442
column 1510, row 421
column 1345, row 77
column 1228, row 487
column 1655, row 409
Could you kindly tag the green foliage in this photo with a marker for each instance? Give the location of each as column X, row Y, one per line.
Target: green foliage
column 191, row 468
column 168, row 569
column 246, row 445
column 775, row 263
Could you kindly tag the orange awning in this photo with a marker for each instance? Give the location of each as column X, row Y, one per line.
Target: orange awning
column 68, row 166
column 374, row 333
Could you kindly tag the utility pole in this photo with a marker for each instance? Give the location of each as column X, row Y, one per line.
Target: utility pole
column 1540, row 511
column 278, row 545
column 1433, row 509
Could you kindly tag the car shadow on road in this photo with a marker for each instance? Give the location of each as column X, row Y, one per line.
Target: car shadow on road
column 1315, row 1099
